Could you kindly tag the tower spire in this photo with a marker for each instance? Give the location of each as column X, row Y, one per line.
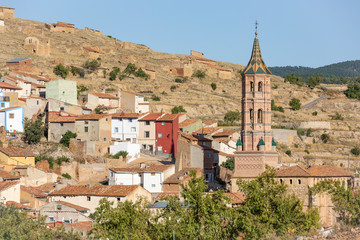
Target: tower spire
column 256, row 27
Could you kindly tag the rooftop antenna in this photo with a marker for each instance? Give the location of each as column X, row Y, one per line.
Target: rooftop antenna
column 256, row 27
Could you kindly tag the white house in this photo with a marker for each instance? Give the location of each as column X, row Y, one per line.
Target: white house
column 12, row 118
column 150, row 177
column 125, row 127
column 19, row 82
column 89, row 197
column 4, row 101
column 5, row 87
column 133, row 149
column 9, row 191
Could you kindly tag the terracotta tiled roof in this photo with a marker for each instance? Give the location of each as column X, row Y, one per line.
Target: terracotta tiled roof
column 91, row 49
column 236, row 197
column 9, row 108
column 218, row 68
column 17, row 205
column 7, row 175
column 35, row 85
column 17, row 79
column 14, row 152
column 180, row 176
column 47, row 187
column 150, row 117
column 56, row 117
column 91, row 116
column 224, row 133
column 167, row 194
column 7, row 184
column 64, row 24
column 209, row 122
column 222, row 139
column 22, row 99
column 188, row 136
column 97, row 190
column 83, row 226
column 226, row 154
column 125, row 115
column 313, row 171
column 104, row 95
column 37, row 97
column 76, row 207
column 33, row 191
column 188, row 122
column 208, row 130
column 37, row 77
column 168, row 117
column 8, row 86
column 201, row 58
column 149, row 168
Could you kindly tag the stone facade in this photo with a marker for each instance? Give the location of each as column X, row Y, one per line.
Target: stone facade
column 33, row 45
column 60, row 27
column 2, row 26
column 7, row 12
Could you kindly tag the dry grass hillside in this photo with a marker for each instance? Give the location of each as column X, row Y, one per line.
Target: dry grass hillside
column 196, row 95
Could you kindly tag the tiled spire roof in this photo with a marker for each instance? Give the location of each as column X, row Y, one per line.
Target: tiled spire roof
column 256, row 63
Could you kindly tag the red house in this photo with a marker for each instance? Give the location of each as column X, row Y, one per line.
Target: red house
column 167, row 128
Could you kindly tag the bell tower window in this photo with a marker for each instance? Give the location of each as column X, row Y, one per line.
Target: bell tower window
column 251, row 86
column 251, row 115
column 260, row 87
column 260, row 116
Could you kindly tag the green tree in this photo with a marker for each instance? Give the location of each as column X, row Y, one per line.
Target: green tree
column 276, row 108
column 141, row 73
column 61, row 70
column 178, row 109
column 325, row 137
column 66, row 175
column 294, row 79
column 229, row 163
column 121, row 153
column 155, row 97
column 295, row 104
column 232, row 116
column 130, row 69
column 213, row 86
column 353, row 90
column 113, row 74
column 33, row 131
column 199, row 74
column 355, row 151
column 92, row 65
column 65, row 140
column 312, row 81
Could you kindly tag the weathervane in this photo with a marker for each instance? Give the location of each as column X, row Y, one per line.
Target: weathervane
column 256, row 25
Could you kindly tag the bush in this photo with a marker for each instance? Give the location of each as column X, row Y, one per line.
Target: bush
column 50, row 160
column 199, row 74
column 213, row 86
column 121, row 153
column 178, row 80
column 65, row 140
column 232, row 116
column 155, row 98
column 177, row 109
column 92, row 65
column 353, row 90
column 337, row 117
column 309, row 132
column 172, row 88
column 61, row 70
column 164, row 93
column 114, row 73
column 276, row 108
column 315, row 113
column 130, row 69
column 293, row 79
column 110, row 89
column 288, row 152
column 301, row 132
column 104, row 73
column 325, row 137
column 307, row 151
column 66, row 175
column 33, row 131
column 141, row 74
column 229, row 164
column 62, row 159
column 355, row 151
column 295, row 104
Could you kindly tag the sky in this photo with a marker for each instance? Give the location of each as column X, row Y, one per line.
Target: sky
column 310, row 33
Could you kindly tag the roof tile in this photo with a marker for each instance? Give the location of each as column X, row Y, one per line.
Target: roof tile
column 97, row 190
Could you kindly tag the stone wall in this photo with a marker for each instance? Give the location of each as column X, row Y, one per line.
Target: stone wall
column 33, row 45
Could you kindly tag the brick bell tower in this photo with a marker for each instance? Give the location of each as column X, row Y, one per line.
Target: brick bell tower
column 256, row 147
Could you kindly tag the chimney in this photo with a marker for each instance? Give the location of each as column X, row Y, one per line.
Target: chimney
column 142, row 165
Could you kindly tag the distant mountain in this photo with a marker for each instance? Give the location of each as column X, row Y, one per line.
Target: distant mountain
column 348, row 69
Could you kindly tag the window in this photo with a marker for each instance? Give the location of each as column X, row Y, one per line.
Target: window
column 153, row 185
column 163, row 123
column 61, row 108
column 86, row 122
column 251, row 115
column 37, row 102
column 260, row 87
column 159, row 135
column 260, row 116
column 152, row 174
column 147, row 123
column 2, row 105
column 11, row 115
column 147, row 134
column 130, row 120
column 51, row 218
column 61, row 124
column 299, row 181
column 290, row 181
column 116, row 129
column 104, row 139
column 251, row 86
column 281, row 181
column 88, row 198
column 86, row 129
column 119, row 199
column 144, row 146
column 128, row 139
column 133, row 129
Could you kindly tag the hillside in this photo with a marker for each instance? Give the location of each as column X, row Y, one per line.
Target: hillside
column 196, row 95
column 348, row 69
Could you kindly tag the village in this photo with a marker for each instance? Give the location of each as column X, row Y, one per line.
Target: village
column 109, row 144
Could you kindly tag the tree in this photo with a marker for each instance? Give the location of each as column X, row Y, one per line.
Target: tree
column 229, row 163
column 121, row 153
column 295, row 104
column 33, row 131
column 353, row 90
column 312, row 81
column 325, row 137
column 270, row 211
column 130, row 69
column 155, row 97
column 92, row 65
column 199, row 74
column 141, row 73
column 232, row 116
column 114, row 73
column 355, row 151
column 276, row 108
column 178, row 109
column 213, row 86
column 65, row 140
column 61, row 71
column 294, row 79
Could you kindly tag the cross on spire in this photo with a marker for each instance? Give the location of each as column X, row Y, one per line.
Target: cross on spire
column 256, row 27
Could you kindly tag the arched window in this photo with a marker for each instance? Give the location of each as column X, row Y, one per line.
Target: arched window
column 260, row 87
column 251, row 115
column 251, row 86
column 260, row 116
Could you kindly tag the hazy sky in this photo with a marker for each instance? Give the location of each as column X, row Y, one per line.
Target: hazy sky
column 302, row 33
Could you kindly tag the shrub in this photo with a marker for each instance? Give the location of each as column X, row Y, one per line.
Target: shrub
column 307, row 151
column 65, row 140
column 104, row 73
column 110, row 89
column 81, row 88
column 325, row 137
column 121, row 153
column 353, row 90
column 199, row 74
column 92, row 65
column 276, row 108
column 141, row 73
column 295, row 104
column 61, row 70
column 229, row 164
column 155, row 98
column 164, row 93
column 293, row 79
column 315, row 113
column 355, row 151
column 288, row 152
column 33, row 131
column 62, row 159
column 232, row 116
column 66, row 175
column 50, row 160
column 309, row 132
column 178, row 80
column 213, row 86
column 337, row 117
column 301, row 132
column 172, row 88
column 130, row 69
column 177, row 109
column 114, row 73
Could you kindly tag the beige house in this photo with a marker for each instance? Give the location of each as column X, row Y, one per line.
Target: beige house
column 96, row 99
column 133, row 102
column 31, row 176
column 173, row 183
column 89, row 197
column 55, row 105
column 299, row 179
column 189, row 153
column 33, row 45
column 58, row 124
column 60, row 211
column 32, row 197
column 9, row 191
column 60, row 27
column 150, row 72
column 147, row 132
column 21, row 83
column 34, row 105
column 7, row 12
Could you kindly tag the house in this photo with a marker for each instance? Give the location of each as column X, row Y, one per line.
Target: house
column 2, row 26
column 25, row 85
column 61, row 106
column 4, row 101
column 60, row 27
column 34, row 105
column 17, row 156
column 9, row 191
column 20, row 64
column 96, row 99
column 89, row 197
column 173, row 183
column 91, row 52
column 190, row 125
column 63, row 90
column 5, row 87
column 147, row 132
column 58, row 124
column 167, row 128
column 133, row 102
column 32, row 197
column 61, row 211
column 6, row 176
column 208, row 131
column 211, row 163
column 150, row 72
column 81, row 228
column 7, row 12
column 95, row 131
column 217, row 72
column 225, row 141
column 33, row 45
column 34, row 78
column 12, row 118
column 189, row 153
column 150, row 177
column 125, row 127
column 300, row 178
column 209, row 123
column 32, row 176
